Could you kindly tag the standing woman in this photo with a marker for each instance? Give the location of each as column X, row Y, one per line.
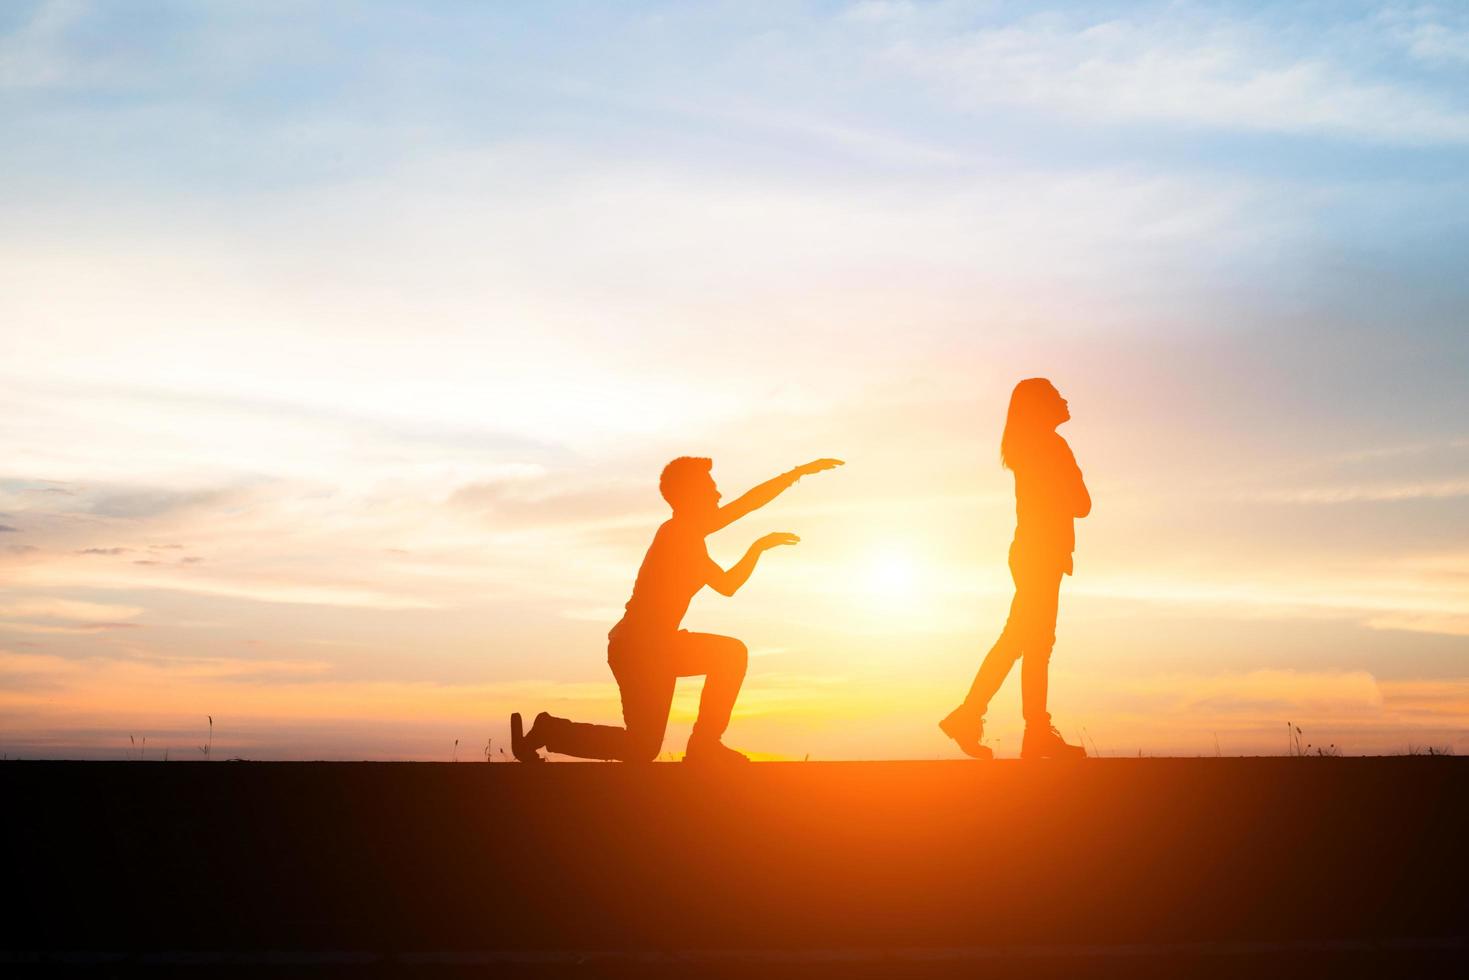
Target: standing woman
column 1049, row 496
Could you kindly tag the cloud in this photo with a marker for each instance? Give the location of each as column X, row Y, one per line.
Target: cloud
column 36, row 663
column 166, row 689
column 1180, row 68
column 155, row 502
column 1367, row 493
column 1245, row 711
column 66, row 617
column 28, row 672
column 1401, row 450
column 7, row 529
column 33, row 55
column 83, row 629
column 88, row 677
column 1429, row 702
column 104, row 551
column 1447, row 624
column 1267, row 692
column 72, row 609
column 1436, row 36
column 1421, row 469
column 542, row 499
column 319, row 586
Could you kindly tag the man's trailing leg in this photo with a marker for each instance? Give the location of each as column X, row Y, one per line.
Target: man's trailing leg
column 524, row 745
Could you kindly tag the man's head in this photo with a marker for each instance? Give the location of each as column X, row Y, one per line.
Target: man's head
column 688, row 487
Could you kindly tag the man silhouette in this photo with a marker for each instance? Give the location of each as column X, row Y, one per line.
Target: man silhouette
column 647, row 650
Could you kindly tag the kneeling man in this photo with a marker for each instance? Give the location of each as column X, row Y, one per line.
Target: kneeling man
column 647, row 650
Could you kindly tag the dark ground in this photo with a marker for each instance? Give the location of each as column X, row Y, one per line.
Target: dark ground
column 1110, row 867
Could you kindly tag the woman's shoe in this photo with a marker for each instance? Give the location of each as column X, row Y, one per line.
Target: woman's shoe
column 1047, row 743
column 966, row 729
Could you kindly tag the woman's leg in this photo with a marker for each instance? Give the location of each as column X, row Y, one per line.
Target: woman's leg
column 997, row 663
column 1042, row 741
column 1038, row 637
column 1031, row 624
column 1011, row 644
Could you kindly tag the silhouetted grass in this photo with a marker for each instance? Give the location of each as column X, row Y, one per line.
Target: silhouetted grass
column 1299, row 748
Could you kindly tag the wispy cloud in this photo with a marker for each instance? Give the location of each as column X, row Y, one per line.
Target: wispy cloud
column 1446, row 624
column 1437, row 35
column 57, row 608
column 1357, row 493
column 1259, row 693
column 541, row 499
column 34, row 54
column 1183, row 66
column 66, row 617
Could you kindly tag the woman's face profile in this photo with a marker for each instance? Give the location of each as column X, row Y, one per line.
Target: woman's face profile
column 1063, row 407
column 1053, row 408
column 1037, row 403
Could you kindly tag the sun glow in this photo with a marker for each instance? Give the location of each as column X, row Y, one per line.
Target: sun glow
column 892, row 576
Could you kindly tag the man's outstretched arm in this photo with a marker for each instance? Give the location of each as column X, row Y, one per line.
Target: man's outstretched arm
column 728, row 582
column 758, row 497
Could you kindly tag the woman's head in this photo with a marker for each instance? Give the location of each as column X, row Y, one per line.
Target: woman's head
column 1036, row 407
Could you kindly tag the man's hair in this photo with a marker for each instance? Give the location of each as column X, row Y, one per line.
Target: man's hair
column 677, row 475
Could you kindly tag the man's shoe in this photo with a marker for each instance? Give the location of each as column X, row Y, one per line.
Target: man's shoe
column 714, row 753
column 1047, row 743
column 966, row 729
column 520, row 746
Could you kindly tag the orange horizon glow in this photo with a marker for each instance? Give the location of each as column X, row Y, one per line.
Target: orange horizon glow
column 334, row 406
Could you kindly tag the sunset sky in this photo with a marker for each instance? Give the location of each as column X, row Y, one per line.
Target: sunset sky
column 341, row 346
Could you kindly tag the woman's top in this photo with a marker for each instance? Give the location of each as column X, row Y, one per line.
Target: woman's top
column 1049, row 495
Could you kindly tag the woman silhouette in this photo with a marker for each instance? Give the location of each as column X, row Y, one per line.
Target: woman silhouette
column 1049, row 496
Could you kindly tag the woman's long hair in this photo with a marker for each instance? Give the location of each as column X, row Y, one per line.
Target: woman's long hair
column 1025, row 419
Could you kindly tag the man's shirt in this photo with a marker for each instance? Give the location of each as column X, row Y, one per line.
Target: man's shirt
column 676, row 567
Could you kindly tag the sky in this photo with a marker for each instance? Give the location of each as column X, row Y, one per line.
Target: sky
column 341, row 346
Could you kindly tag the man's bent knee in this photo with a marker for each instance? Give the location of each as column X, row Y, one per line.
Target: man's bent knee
column 736, row 655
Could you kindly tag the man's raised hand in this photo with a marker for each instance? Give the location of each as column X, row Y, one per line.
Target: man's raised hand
column 816, row 466
column 757, row 497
